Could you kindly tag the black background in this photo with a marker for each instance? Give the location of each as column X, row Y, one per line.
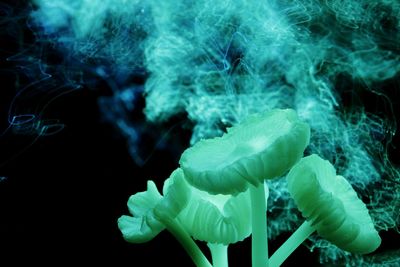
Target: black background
column 63, row 193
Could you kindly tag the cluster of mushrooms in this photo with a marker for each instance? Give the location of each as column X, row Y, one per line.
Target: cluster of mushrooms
column 219, row 195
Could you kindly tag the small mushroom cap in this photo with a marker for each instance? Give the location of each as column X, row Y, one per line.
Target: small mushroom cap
column 264, row 146
column 142, row 226
column 332, row 206
column 149, row 206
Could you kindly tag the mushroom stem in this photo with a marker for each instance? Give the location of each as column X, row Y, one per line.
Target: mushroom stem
column 176, row 229
column 219, row 253
column 259, row 239
column 294, row 241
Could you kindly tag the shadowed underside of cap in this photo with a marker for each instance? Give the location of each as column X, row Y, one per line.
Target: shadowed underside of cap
column 222, row 219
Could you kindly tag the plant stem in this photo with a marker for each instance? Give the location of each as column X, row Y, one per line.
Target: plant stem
column 186, row 241
column 295, row 240
column 219, row 253
column 259, row 239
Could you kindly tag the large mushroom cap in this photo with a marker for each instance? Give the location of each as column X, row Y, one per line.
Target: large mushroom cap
column 264, row 146
column 332, row 206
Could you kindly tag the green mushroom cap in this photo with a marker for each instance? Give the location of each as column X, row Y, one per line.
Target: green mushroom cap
column 219, row 219
column 332, row 206
column 142, row 226
column 222, row 219
column 264, row 146
column 149, row 206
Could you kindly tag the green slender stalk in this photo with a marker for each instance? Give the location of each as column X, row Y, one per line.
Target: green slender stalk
column 176, row 229
column 259, row 239
column 219, row 253
column 294, row 241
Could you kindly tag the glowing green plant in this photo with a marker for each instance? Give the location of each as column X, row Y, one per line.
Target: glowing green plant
column 185, row 211
column 153, row 213
column 219, row 195
column 264, row 146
